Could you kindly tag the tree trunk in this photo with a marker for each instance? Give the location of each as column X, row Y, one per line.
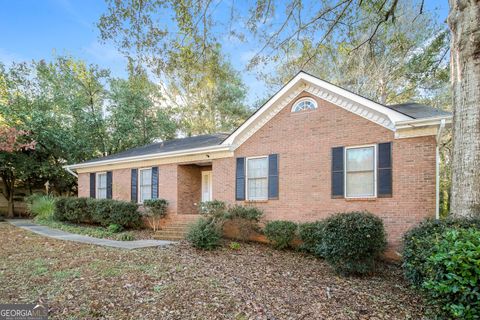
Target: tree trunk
column 11, row 209
column 464, row 22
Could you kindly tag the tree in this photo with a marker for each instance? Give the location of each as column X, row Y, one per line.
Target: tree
column 14, row 161
column 406, row 60
column 464, row 22
column 197, row 83
column 135, row 116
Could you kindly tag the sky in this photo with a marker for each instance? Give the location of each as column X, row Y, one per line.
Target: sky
column 41, row 29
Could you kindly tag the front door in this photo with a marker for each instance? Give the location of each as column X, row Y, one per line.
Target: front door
column 206, row 186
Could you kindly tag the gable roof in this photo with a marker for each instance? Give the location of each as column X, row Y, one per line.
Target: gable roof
column 343, row 98
column 390, row 117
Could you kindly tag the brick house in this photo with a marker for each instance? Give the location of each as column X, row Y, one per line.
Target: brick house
column 312, row 150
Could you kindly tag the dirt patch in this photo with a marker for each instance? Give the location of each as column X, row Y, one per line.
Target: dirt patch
column 179, row 282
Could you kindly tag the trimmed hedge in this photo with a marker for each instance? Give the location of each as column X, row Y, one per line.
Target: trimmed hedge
column 452, row 283
column 418, row 245
column 280, row 233
column 352, row 241
column 311, row 235
column 103, row 212
column 156, row 207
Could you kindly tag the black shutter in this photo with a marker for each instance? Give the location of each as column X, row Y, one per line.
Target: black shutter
column 337, row 173
column 273, row 176
column 155, row 183
column 240, row 179
column 109, row 184
column 92, row 185
column 134, row 185
column 384, row 170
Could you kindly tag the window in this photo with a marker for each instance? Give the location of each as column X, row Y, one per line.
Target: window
column 102, row 185
column 257, row 178
column 304, row 104
column 145, row 189
column 360, row 172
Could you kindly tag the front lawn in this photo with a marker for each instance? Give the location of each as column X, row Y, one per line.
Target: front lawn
column 179, row 282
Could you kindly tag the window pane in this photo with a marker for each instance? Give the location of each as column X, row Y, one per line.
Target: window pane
column 257, row 167
column 360, row 159
column 146, row 177
column 257, row 189
column 360, row 184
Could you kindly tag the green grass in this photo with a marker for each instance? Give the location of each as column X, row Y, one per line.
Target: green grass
column 93, row 231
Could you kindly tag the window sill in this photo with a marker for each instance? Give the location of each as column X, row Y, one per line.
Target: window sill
column 255, row 201
column 361, row 199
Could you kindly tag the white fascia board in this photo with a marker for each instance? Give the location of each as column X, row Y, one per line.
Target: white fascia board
column 393, row 115
column 425, row 122
column 161, row 155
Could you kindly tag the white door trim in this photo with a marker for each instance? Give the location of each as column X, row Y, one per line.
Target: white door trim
column 209, row 174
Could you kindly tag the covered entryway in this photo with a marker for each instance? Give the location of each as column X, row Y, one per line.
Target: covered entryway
column 194, row 183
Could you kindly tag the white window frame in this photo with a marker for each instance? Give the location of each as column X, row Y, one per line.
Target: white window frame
column 139, row 189
column 375, row 161
column 246, row 178
column 97, row 185
column 301, row 100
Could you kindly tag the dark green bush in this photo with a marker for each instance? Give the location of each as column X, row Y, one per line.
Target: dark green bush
column 280, row 233
column 417, row 245
column 311, row 235
column 244, row 212
column 76, row 210
column 204, row 234
column 97, row 211
column 452, row 283
column 352, row 241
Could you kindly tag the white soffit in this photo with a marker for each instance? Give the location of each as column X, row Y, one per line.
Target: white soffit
column 342, row 98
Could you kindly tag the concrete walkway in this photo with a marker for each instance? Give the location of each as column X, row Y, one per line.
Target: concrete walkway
column 62, row 235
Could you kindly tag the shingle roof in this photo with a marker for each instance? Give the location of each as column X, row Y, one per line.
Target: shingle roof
column 201, row 141
column 418, row 111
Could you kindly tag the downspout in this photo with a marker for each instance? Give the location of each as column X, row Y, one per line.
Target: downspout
column 70, row 171
column 437, row 169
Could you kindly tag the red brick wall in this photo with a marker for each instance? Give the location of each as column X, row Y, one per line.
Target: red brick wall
column 189, row 188
column 304, row 141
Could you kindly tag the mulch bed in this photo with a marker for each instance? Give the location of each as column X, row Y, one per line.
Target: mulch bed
column 178, row 282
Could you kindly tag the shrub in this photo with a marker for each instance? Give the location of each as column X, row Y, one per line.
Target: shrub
column 115, row 228
column 204, row 234
column 352, row 241
column 155, row 209
column 244, row 212
column 213, row 209
column 453, row 281
column 97, row 211
column 311, row 235
column 126, row 236
column 417, row 245
column 245, row 218
column 72, row 209
column 280, row 233
column 41, row 206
